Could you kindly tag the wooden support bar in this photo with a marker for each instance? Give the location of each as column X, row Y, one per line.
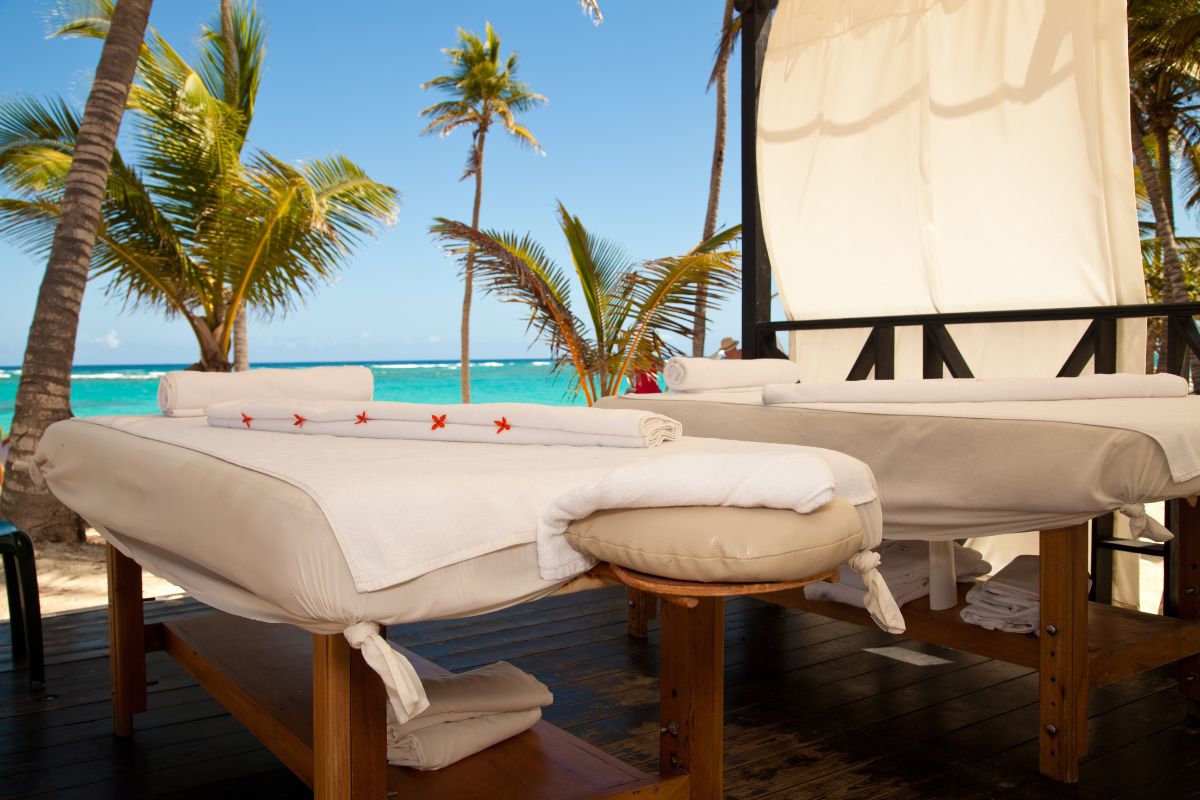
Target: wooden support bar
column 349, row 723
column 126, row 640
column 643, row 607
column 1063, row 661
column 1186, row 560
column 692, row 694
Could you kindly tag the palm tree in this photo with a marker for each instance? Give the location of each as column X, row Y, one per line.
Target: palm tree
column 731, row 27
column 44, row 392
column 482, row 90
column 193, row 228
column 630, row 306
column 592, row 9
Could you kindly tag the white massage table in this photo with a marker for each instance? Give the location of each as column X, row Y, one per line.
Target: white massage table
column 947, row 474
column 259, row 548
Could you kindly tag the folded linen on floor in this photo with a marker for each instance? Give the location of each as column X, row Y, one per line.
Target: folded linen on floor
column 467, row 713
column 184, row 393
column 905, row 567
column 1009, row 600
column 492, row 423
column 979, row 390
column 700, row 374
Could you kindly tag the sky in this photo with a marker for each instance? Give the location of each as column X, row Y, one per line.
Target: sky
column 627, row 136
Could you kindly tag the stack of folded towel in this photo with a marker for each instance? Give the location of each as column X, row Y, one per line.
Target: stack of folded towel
column 905, row 567
column 467, row 713
column 1008, row 601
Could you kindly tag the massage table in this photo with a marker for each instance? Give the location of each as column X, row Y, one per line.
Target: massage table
column 952, row 471
column 260, row 550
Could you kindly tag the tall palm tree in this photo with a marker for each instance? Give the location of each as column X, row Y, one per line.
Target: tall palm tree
column 630, row 306
column 44, row 392
column 482, row 90
column 192, row 228
column 731, row 26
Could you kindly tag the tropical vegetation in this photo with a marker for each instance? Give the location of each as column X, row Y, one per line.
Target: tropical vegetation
column 631, row 307
column 481, row 90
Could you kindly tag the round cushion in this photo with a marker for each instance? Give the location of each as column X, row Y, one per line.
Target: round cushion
column 719, row 544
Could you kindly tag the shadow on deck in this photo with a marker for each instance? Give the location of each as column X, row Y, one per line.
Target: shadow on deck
column 808, row 713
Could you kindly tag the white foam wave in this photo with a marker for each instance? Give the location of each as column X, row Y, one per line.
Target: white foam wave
column 414, row 366
column 540, row 363
column 115, row 376
column 489, row 364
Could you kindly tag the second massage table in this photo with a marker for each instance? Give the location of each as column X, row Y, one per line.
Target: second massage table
column 955, row 470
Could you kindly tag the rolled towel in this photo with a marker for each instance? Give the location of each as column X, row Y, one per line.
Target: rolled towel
column 442, row 745
column 979, row 390
column 184, row 393
column 702, row 374
column 493, row 423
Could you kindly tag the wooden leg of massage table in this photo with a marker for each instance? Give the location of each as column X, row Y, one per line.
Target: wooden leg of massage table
column 126, row 640
column 349, row 724
column 692, row 693
column 643, row 607
column 1063, row 678
column 1187, row 564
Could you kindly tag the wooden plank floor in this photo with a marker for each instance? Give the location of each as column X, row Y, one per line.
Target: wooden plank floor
column 809, row 714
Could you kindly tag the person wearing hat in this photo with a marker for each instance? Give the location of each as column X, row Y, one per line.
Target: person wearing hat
column 729, row 349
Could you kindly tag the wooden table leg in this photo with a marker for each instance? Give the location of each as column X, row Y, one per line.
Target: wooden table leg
column 1063, row 685
column 692, row 694
column 1187, row 563
column 126, row 640
column 643, row 607
column 349, row 724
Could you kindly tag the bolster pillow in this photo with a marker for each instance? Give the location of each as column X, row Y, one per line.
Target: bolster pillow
column 701, row 374
column 184, row 393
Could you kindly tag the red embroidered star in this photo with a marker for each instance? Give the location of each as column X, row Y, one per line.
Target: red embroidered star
column 502, row 425
column 247, row 420
column 299, row 423
column 361, row 419
column 438, row 422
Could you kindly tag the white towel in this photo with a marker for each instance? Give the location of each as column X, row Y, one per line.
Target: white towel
column 699, row 374
column 1009, row 600
column 184, row 393
column 905, row 567
column 490, row 423
column 979, row 390
column 467, row 712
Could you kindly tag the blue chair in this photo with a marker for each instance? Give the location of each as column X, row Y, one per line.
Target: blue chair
column 24, row 607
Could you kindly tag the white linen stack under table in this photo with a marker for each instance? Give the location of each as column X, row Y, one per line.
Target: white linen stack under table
column 1008, row 601
column 905, row 567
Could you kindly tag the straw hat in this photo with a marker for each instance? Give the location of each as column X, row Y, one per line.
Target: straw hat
column 728, row 343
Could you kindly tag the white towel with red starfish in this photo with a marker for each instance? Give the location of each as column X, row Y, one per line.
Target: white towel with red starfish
column 492, row 423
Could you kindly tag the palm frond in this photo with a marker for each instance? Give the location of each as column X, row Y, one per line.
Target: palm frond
column 249, row 36
column 592, row 9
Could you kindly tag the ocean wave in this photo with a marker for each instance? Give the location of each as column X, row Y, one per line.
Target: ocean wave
column 115, row 376
column 414, row 366
column 488, row 364
column 540, row 363
column 4, row 375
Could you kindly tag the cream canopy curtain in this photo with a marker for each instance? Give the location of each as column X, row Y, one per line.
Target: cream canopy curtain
column 949, row 155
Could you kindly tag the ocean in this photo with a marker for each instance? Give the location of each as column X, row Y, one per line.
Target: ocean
column 133, row 389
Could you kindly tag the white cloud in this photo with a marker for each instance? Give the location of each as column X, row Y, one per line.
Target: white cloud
column 110, row 340
column 434, row 339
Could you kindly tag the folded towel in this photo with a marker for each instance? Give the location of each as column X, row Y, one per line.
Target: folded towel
column 467, row 712
column 184, row 393
column 905, row 567
column 492, row 423
column 700, row 374
column 1009, row 600
column 979, row 390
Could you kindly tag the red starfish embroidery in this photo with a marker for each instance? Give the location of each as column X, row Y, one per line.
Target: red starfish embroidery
column 247, row 420
column 438, row 422
column 361, row 419
column 502, row 425
column 299, row 423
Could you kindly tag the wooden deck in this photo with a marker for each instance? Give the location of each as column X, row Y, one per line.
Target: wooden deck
column 808, row 713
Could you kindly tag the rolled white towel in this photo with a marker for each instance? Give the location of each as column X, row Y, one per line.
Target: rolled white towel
column 493, row 423
column 184, row 393
column 978, row 390
column 702, row 374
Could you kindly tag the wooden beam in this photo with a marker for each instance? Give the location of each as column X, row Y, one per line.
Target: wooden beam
column 692, row 694
column 126, row 640
column 643, row 607
column 349, row 726
column 1063, row 645
column 1187, row 564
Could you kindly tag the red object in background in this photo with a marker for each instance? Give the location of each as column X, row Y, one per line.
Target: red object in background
column 646, row 383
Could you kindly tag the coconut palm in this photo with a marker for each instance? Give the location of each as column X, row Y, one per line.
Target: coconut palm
column 192, row 227
column 482, row 90
column 44, row 391
column 592, row 9
column 731, row 27
column 630, row 307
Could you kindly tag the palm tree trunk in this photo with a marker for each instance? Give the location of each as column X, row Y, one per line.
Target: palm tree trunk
column 241, row 342
column 714, row 201
column 44, row 393
column 469, row 271
column 1174, row 287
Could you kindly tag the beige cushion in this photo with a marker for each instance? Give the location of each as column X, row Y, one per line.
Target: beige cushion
column 722, row 545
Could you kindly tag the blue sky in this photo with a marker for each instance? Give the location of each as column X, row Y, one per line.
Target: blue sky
column 627, row 134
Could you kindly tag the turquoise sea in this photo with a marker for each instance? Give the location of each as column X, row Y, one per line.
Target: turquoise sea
column 133, row 389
